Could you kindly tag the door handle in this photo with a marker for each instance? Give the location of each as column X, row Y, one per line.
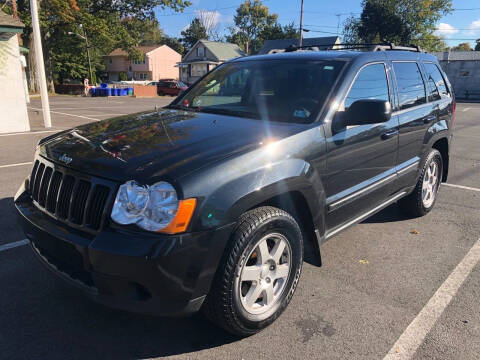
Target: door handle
column 429, row 119
column 389, row 134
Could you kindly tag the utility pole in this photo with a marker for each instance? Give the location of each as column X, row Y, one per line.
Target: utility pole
column 88, row 56
column 84, row 37
column 301, row 26
column 37, row 39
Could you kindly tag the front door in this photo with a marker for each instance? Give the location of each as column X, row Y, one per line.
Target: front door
column 361, row 159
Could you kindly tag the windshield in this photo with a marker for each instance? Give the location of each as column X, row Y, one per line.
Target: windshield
column 277, row 90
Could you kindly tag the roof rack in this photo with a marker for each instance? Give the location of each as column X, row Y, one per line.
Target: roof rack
column 355, row 46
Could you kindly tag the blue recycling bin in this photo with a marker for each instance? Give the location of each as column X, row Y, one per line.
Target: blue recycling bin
column 103, row 85
column 124, row 92
column 92, row 91
column 114, row 92
column 118, row 92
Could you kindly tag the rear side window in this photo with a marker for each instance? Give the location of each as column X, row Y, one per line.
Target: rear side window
column 411, row 89
column 436, row 84
column 370, row 83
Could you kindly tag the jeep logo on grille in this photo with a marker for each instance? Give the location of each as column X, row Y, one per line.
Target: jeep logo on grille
column 65, row 159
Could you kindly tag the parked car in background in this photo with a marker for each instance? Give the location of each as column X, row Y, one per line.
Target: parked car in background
column 169, row 87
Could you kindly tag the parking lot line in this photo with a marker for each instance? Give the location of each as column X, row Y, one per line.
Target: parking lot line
column 415, row 333
column 461, row 187
column 61, row 113
column 17, row 164
column 466, row 109
column 14, row 244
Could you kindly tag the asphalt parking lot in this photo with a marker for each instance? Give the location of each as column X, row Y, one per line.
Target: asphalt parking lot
column 385, row 284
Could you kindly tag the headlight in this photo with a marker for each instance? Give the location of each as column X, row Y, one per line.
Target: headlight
column 153, row 208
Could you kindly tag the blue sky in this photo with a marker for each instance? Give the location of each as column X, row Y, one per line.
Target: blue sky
column 320, row 16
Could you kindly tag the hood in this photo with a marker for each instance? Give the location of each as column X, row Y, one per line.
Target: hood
column 161, row 144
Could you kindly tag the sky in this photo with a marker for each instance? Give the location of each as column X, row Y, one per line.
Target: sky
column 322, row 17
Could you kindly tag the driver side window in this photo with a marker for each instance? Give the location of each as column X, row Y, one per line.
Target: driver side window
column 370, row 83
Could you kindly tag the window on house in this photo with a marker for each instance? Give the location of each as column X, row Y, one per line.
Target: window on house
column 109, row 60
column 139, row 62
column 199, row 69
column 200, row 51
column 411, row 89
column 143, row 76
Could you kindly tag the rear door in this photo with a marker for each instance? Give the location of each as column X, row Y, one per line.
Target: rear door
column 361, row 159
column 415, row 114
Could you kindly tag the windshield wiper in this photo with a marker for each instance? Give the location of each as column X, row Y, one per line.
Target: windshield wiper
column 185, row 108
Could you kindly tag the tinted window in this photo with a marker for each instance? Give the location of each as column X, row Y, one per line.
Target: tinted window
column 436, row 83
column 269, row 90
column 371, row 83
column 411, row 89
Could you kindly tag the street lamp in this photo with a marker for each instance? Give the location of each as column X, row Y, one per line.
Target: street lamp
column 84, row 37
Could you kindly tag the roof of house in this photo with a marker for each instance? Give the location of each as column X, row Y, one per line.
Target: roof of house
column 223, row 50
column 284, row 43
column 458, row 55
column 142, row 49
column 8, row 21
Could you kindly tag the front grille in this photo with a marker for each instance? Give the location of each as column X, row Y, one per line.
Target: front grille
column 69, row 198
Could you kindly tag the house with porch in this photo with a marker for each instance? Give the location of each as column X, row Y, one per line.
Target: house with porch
column 159, row 62
column 204, row 56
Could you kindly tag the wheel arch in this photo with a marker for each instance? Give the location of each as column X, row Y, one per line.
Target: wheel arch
column 442, row 146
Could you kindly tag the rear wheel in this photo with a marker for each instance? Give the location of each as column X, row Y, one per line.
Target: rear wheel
column 258, row 273
column 423, row 197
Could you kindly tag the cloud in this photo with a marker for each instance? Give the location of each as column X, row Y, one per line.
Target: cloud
column 445, row 30
column 474, row 26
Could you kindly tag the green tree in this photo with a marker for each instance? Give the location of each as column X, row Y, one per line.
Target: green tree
column 196, row 31
column 403, row 22
column 251, row 20
column 462, row 47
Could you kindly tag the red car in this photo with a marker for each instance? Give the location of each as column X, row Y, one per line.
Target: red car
column 169, row 87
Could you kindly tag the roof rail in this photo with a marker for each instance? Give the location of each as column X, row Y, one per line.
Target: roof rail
column 355, row 46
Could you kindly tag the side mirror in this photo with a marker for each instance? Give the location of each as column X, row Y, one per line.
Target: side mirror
column 368, row 111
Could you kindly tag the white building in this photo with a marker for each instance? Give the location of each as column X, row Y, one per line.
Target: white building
column 13, row 106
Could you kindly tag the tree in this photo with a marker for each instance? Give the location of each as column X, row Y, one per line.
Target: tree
column 252, row 18
column 462, row 47
column 209, row 20
column 196, row 31
column 108, row 25
column 403, row 22
column 477, row 45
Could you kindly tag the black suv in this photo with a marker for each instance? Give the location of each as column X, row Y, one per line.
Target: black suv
column 206, row 204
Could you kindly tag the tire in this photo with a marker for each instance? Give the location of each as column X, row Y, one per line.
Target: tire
column 244, row 307
column 417, row 203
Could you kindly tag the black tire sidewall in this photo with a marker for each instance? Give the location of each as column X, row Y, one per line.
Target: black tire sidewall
column 291, row 231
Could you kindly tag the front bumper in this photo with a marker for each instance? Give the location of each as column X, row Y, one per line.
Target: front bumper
column 167, row 275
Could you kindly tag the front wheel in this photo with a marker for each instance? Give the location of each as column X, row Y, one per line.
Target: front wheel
column 258, row 273
column 423, row 197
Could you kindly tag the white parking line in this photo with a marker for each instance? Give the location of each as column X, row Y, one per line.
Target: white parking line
column 418, row 329
column 17, row 164
column 61, row 113
column 14, row 244
column 461, row 187
column 32, row 132
column 466, row 109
